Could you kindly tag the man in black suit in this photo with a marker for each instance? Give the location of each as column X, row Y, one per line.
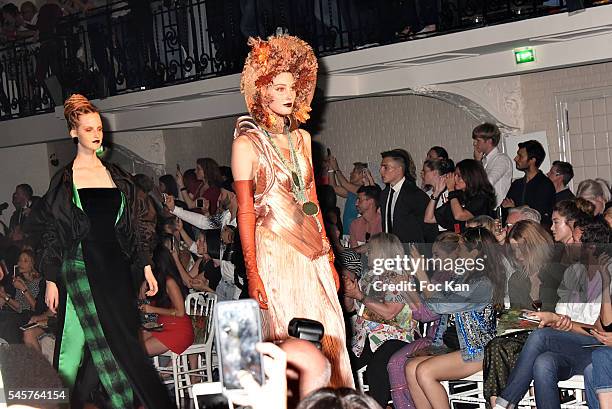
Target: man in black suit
column 402, row 203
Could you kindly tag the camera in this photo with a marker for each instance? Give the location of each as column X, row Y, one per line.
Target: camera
column 307, row 329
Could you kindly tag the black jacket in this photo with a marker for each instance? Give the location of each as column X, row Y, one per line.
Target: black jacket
column 57, row 225
column 409, row 213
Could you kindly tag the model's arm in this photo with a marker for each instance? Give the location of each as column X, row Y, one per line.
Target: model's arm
column 243, row 170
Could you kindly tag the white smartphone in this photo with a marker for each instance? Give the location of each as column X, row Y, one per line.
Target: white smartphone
column 29, row 326
column 526, row 317
column 238, row 330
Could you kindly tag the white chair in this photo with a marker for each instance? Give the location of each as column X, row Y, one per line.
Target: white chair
column 200, row 303
column 207, row 388
column 361, row 385
column 470, row 390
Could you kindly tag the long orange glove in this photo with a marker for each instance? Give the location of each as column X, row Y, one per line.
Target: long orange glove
column 312, row 195
column 246, row 226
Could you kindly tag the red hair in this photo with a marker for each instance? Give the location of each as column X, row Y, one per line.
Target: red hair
column 75, row 106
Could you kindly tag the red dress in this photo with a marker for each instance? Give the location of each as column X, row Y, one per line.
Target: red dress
column 177, row 334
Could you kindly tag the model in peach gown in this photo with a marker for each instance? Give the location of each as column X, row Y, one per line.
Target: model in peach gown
column 292, row 256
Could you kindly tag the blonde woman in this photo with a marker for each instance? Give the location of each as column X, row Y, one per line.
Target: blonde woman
column 595, row 191
column 530, row 287
column 386, row 321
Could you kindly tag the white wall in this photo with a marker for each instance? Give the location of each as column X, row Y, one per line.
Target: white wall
column 540, row 92
column 213, row 139
column 23, row 164
column 359, row 129
column 355, row 130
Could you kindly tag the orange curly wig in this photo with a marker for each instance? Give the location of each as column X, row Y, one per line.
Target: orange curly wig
column 267, row 59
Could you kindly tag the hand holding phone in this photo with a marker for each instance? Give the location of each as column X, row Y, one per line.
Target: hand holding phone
column 525, row 316
column 271, row 395
column 29, row 326
column 238, row 331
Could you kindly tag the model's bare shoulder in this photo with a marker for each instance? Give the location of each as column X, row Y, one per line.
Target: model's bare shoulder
column 243, row 158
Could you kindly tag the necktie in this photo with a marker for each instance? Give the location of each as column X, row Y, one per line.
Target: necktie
column 484, row 161
column 389, row 208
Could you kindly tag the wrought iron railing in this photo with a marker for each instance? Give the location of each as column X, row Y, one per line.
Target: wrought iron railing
column 136, row 44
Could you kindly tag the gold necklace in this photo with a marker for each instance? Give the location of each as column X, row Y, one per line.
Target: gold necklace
column 298, row 186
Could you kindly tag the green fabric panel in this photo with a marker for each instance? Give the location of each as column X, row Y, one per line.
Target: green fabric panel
column 72, row 346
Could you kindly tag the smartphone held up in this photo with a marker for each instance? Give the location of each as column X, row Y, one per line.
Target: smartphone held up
column 238, row 330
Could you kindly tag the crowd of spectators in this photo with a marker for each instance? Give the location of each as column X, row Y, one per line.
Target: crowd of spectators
column 544, row 250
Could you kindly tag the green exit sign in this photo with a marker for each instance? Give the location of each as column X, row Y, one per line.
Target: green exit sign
column 524, row 55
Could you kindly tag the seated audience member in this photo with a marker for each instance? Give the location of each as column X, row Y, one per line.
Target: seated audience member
column 358, row 177
column 467, row 322
column 469, row 194
column 580, row 289
column 608, row 216
column 436, row 152
column 597, row 376
column 557, row 352
column 534, row 189
column 169, row 305
column 497, row 165
column 481, row 221
column 369, row 223
column 22, row 301
column 596, row 192
column 167, row 184
column 516, row 214
column 532, row 285
column 433, row 171
column 446, row 246
column 386, row 323
column 402, row 203
column 560, row 174
column 565, row 214
column 231, row 283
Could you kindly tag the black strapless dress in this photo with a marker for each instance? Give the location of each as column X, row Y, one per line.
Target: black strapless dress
column 114, row 295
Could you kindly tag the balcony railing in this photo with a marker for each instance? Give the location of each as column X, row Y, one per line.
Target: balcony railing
column 136, row 44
